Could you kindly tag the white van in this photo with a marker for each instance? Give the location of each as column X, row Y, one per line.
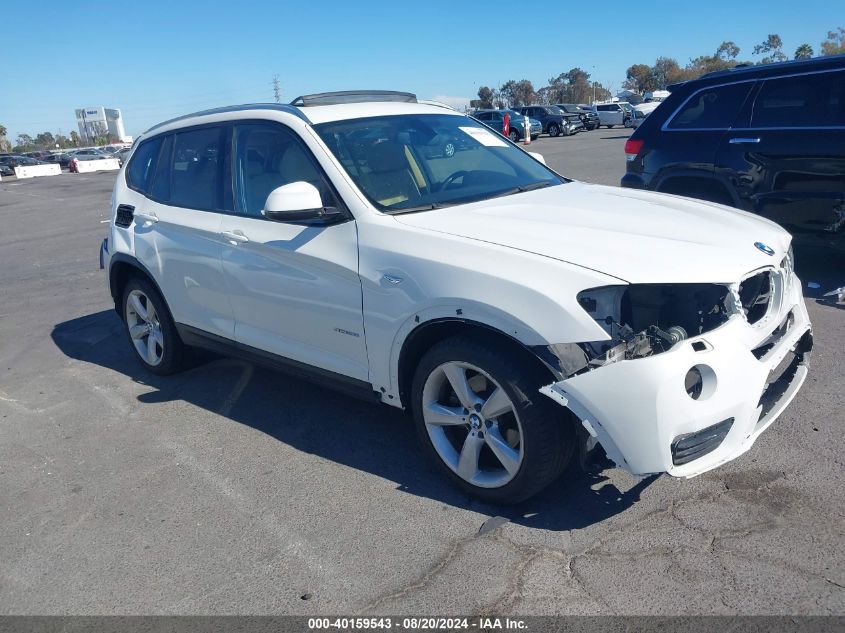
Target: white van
column 611, row 114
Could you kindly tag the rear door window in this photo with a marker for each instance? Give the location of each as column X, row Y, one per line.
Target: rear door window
column 713, row 108
column 802, row 101
column 191, row 173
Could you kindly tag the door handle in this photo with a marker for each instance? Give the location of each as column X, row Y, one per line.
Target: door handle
column 235, row 237
column 742, row 139
column 148, row 218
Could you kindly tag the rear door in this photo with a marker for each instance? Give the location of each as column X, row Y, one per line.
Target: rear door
column 177, row 210
column 787, row 157
column 689, row 140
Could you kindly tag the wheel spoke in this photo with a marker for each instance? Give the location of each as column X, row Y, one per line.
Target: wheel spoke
column 157, row 336
column 152, row 315
column 441, row 415
column 457, row 377
column 151, row 350
column 508, row 456
column 468, row 461
column 138, row 331
column 497, row 404
column 140, row 310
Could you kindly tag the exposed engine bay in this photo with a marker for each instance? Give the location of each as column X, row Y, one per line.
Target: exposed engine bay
column 647, row 319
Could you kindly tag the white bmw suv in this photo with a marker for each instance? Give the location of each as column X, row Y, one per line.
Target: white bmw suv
column 519, row 315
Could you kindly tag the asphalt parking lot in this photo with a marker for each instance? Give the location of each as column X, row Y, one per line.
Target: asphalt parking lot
column 232, row 489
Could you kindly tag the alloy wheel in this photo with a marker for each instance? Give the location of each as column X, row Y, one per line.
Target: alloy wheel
column 473, row 425
column 144, row 327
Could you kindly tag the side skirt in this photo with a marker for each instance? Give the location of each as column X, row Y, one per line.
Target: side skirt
column 360, row 389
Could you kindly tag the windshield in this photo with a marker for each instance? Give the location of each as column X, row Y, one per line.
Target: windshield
column 426, row 161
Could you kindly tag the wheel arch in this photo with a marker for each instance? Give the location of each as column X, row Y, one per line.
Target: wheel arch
column 429, row 333
column 122, row 268
column 695, row 184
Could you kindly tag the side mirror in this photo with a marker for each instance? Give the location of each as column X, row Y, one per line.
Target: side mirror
column 538, row 157
column 298, row 202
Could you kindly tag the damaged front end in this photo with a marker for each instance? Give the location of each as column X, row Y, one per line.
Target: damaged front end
column 646, row 319
column 689, row 374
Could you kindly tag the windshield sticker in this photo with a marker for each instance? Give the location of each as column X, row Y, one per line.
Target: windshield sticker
column 483, row 136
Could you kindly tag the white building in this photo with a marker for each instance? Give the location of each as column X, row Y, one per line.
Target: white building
column 93, row 122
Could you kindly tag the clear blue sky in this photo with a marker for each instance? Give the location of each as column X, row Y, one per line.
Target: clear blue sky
column 155, row 60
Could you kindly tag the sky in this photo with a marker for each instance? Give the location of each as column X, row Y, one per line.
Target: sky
column 155, row 60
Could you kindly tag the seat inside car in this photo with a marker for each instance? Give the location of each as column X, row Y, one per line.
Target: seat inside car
column 390, row 175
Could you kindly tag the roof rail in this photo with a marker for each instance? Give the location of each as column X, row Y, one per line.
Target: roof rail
column 437, row 104
column 353, row 96
column 234, row 108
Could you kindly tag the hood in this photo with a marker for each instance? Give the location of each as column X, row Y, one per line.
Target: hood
column 635, row 236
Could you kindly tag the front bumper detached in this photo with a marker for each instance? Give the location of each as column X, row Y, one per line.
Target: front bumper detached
column 641, row 413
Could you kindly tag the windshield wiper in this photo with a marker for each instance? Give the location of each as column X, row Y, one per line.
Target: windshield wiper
column 523, row 188
column 421, row 207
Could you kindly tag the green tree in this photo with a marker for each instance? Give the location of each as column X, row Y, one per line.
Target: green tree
column 518, row 93
column 5, row 145
column 74, row 139
column 771, row 47
column 25, row 143
column 805, row 51
column 45, row 140
column 639, row 78
column 835, row 42
column 485, row 97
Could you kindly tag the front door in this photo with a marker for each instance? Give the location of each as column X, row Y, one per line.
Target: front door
column 295, row 289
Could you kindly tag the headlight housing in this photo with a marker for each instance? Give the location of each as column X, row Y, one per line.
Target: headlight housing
column 646, row 319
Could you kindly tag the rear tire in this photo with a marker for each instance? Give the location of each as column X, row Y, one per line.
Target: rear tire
column 500, row 440
column 513, row 135
column 150, row 328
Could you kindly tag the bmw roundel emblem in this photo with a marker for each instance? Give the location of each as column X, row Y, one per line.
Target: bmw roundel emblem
column 768, row 250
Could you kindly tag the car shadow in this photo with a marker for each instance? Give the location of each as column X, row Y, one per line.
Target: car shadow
column 821, row 269
column 370, row 437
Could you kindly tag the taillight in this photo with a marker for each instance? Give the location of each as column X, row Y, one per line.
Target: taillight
column 633, row 146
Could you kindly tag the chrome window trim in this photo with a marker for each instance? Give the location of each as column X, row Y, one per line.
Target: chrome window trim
column 665, row 128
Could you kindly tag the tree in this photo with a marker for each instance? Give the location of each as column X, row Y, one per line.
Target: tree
column 45, row 140
column 771, row 46
column 724, row 58
column 518, row 93
column 639, row 78
column 805, row 51
column 74, row 138
column 728, row 51
column 24, row 143
column 835, row 42
column 485, row 97
column 5, row 145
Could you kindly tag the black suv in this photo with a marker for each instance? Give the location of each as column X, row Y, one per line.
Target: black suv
column 769, row 139
column 554, row 120
column 589, row 118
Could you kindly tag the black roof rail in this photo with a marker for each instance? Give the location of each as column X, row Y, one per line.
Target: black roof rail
column 353, row 96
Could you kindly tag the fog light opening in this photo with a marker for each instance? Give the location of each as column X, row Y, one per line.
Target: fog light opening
column 700, row 382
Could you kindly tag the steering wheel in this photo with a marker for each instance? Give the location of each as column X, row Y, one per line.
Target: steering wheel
column 452, row 178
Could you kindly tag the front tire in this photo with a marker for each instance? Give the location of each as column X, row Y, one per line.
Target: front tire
column 554, row 130
column 480, row 418
column 150, row 328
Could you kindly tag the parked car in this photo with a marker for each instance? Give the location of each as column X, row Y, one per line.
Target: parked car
column 769, row 139
column 496, row 120
column 89, row 153
column 554, row 120
column 520, row 316
column 589, row 118
column 612, row 114
column 638, row 118
column 60, row 158
column 8, row 162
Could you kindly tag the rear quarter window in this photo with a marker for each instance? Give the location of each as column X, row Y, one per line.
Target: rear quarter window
column 802, row 101
column 139, row 173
